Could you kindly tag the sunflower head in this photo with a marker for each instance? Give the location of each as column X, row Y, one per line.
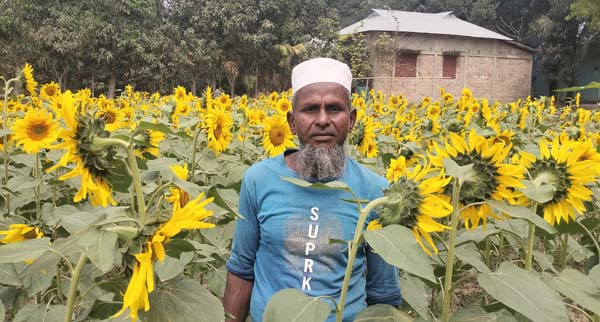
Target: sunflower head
column 357, row 134
column 403, row 207
column 99, row 162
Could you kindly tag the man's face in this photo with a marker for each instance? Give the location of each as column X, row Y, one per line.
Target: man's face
column 321, row 115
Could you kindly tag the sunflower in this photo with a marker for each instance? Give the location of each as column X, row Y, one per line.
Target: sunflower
column 180, row 93
column 190, row 216
column 277, row 135
column 19, row 232
column 364, row 137
column 283, row 106
column 493, row 179
column 152, row 139
column 142, row 280
column 224, row 101
column 567, row 166
column 217, row 124
column 37, row 130
column 114, row 118
column 396, row 169
column 50, row 91
column 30, row 83
column 179, row 197
column 414, row 203
column 92, row 164
column 140, row 285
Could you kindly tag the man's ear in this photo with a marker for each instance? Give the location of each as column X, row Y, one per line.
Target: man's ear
column 290, row 120
column 352, row 120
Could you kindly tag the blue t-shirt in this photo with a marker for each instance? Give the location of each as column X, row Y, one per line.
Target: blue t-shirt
column 283, row 242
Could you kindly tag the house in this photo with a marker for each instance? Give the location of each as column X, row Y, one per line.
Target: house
column 425, row 51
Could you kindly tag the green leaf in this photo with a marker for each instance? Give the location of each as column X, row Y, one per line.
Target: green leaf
column 544, row 260
column 382, row 313
column 176, row 246
column 191, row 188
column 397, row 245
column 578, row 287
column 594, row 275
column 522, row 213
column 9, row 274
column 468, row 254
column 476, row 235
column 25, row 250
column 475, row 313
column 183, row 301
column 220, row 201
column 415, row 293
column 103, row 310
column 291, row 305
column 216, row 280
column 331, row 185
column 35, row 282
column 462, row 173
column 100, row 246
column 538, row 190
column 2, row 311
column 119, row 177
column 172, row 267
column 524, row 292
column 143, row 125
column 41, row 313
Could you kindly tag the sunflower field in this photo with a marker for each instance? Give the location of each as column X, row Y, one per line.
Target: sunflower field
column 123, row 209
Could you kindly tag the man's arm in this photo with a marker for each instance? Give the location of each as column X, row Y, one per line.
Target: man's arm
column 382, row 281
column 236, row 299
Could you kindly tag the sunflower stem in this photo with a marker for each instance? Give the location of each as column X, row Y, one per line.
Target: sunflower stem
column 36, row 172
column 193, row 170
column 73, row 287
column 451, row 245
column 137, row 185
column 6, row 126
column 353, row 247
column 531, row 236
column 529, row 255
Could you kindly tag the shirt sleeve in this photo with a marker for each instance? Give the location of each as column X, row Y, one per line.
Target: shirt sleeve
column 382, row 281
column 247, row 234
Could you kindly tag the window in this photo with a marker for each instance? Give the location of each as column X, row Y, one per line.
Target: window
column 449, row 66
column 406, row 65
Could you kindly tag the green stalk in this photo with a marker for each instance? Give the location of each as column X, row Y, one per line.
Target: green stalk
column 59, row 292
column 352, row 249
column 137, row 185
column 6, row 126
column 451, row 245
column 73, row 287
column 193, row 167
column 36, row 173
column 529, row 254
column 531, row 237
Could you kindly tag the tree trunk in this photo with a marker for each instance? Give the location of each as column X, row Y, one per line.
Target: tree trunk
column 194, row 81
column 112, row 83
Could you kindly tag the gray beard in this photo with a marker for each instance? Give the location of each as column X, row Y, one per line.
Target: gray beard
column 321, row 163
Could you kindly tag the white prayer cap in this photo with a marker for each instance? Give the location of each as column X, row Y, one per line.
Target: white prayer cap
column 321, row 70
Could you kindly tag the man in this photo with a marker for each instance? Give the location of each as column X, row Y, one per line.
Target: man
column 283, row 242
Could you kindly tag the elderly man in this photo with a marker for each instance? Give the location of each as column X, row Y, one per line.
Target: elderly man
column 283, row 242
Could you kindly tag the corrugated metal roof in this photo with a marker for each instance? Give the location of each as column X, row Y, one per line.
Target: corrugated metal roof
column 443, row 23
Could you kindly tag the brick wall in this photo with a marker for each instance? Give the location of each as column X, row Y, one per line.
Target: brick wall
column 491, row 69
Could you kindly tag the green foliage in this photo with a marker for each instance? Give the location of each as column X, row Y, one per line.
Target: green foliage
column 397, row 246
column 291, row 305
column 524, row 292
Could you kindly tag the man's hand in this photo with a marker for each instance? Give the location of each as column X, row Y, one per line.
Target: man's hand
column 236, row 299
